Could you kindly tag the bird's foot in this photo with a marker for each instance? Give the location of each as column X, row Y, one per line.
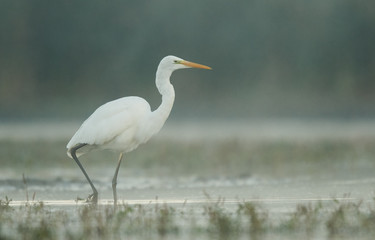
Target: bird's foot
column 92, row 198
column 78, row 199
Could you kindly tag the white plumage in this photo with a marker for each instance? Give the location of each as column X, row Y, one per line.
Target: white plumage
column 113, row 125
column 123, row 124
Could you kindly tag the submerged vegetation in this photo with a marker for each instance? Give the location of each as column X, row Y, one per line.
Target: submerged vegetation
column 344, row 220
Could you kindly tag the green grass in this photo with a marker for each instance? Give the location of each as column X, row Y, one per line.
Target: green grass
column 344, row 220
column 227, row 158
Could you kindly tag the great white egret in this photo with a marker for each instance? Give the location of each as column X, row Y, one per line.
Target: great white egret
column 127, row 122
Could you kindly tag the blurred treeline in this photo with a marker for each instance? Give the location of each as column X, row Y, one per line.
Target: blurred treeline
column 270, row 58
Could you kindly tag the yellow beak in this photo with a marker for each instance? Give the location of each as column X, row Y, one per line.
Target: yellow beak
column 194, row 65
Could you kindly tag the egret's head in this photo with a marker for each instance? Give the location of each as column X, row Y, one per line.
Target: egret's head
column 166, row 66
column 173, row 63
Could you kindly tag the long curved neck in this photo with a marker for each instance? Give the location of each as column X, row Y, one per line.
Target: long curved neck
column 166, row 90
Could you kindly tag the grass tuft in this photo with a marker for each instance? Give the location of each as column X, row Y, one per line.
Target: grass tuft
column 346, row 220
column 256, row 218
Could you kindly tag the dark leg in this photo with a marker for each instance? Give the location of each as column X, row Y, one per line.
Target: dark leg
column 114, row 180
column 93, row 198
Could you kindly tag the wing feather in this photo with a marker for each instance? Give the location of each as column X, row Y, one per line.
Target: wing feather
column 110, row 120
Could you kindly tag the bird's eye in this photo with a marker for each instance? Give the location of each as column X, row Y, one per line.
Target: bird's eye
column 176, row 61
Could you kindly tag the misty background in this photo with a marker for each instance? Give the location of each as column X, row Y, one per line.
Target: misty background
column 307, row 59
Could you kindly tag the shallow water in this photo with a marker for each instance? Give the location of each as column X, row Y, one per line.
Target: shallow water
column 189, row 197
column 59, row 186
column 275, row 194
column 49, row 182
